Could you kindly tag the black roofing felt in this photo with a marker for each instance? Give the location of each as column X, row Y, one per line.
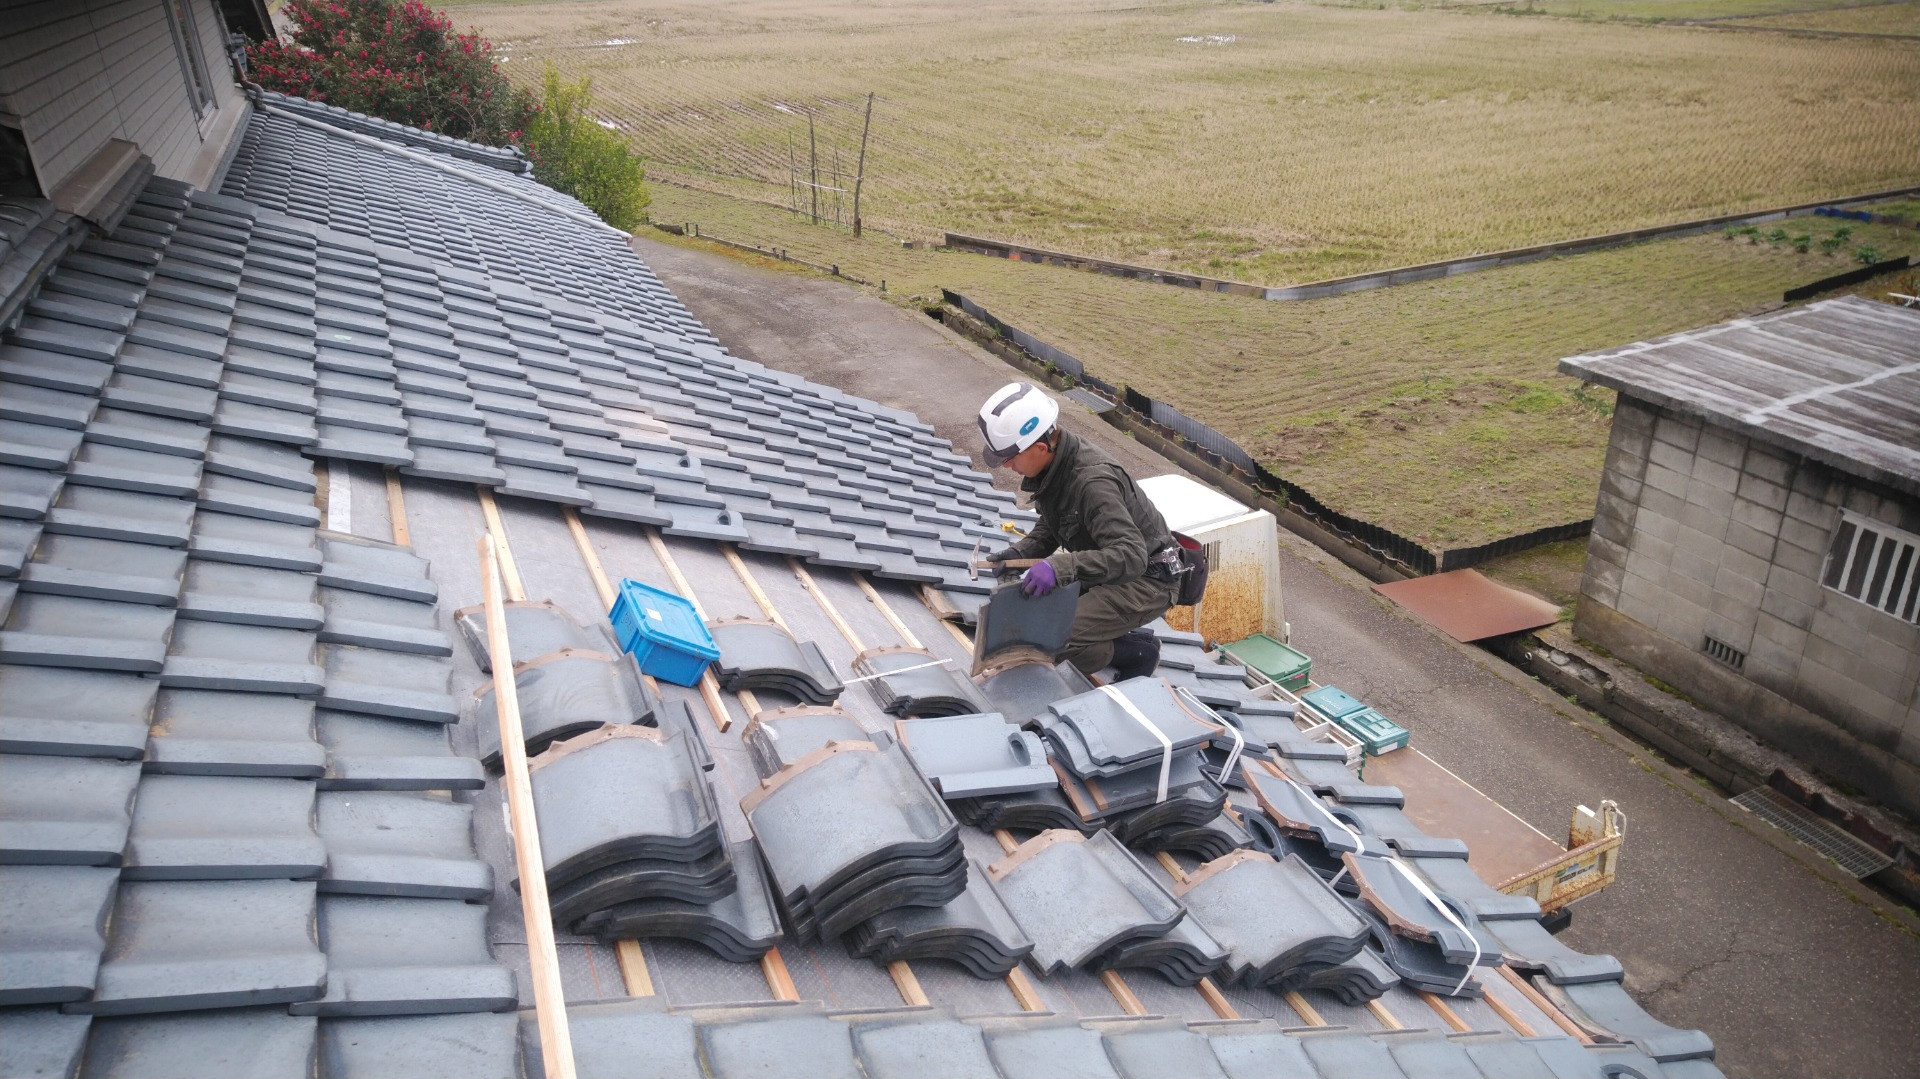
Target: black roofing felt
column 231, row 732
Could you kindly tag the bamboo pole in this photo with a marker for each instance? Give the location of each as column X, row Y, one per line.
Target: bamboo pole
column 550, row 1008
column 860, row 170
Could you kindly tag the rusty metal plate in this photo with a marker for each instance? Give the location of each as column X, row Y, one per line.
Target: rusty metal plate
column 1468, row 607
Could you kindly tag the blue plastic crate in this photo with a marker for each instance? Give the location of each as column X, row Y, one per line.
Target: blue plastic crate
column 1332, row 701
column 663, row 632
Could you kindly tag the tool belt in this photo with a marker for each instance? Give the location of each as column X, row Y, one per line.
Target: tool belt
column 1183, row 559
column 1165, row 564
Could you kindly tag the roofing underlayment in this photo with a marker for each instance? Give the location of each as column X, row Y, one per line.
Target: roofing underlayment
column 248, row 443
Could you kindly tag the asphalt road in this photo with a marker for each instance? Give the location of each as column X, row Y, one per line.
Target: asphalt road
column 1722, row 922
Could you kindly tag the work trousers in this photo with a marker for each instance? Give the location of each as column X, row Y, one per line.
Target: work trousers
column 1106, row 611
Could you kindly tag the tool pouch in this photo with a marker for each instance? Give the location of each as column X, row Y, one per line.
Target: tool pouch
column 1193, row 570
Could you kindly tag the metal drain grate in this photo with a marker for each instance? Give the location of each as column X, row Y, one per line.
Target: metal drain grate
column 1829, row 839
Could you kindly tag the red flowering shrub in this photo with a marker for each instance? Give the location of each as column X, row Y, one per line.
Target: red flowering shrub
column 396, row 59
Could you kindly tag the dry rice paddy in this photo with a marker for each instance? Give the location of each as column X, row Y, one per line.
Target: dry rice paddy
column 1273, row 143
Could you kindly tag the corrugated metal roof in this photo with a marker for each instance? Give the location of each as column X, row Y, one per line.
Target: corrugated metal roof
column 1837, row 381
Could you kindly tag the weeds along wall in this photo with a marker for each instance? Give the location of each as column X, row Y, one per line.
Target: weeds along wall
column 1339, row 286
column 1226, row 455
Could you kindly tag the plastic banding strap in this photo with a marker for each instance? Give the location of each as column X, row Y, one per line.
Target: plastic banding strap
column 1358, row 840
column 1166, row 744
column 1446, row 912
column 1239, row 740
column 901, row 670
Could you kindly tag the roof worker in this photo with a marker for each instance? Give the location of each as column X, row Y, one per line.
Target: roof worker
column 1096, row 527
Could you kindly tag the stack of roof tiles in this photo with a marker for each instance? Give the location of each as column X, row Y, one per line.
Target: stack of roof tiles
column 1082, row 898
column 568, row 678
column 911, row 682
column 974, row 929
column 1116, row 769
column 851, row 831
column 1273, row 917
column 760, row 655
column 625, row 814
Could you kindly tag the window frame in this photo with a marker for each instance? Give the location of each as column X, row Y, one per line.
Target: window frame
column 186, row 41
column 1875, row 563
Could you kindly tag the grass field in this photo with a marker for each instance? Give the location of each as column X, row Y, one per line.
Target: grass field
column 1274, row 143
column 1432, row 409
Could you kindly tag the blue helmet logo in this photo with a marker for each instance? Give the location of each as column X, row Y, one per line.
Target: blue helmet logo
column 1027, row 427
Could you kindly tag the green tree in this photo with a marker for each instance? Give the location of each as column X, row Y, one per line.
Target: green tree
column 396, row 59
column 574, row 153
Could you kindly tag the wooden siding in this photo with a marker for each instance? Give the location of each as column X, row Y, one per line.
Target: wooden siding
column 80, row 73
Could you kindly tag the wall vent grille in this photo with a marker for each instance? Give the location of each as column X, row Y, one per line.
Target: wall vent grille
column 1725, row 654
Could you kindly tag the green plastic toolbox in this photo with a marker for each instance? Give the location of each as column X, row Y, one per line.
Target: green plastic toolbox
column 1375, row 731
column 1288, row 666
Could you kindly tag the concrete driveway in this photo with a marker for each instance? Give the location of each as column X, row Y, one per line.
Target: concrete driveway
column 1722, row 922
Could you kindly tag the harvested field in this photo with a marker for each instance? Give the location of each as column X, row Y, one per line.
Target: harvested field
column 1273, row 143
column 1432, row 409
column 1901, row 19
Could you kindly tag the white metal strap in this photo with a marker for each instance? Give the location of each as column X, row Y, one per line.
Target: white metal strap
column 1166, row 744
column 1359, row 841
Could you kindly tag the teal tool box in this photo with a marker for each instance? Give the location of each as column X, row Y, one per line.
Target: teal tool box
column 664, row 633
column 1375, row 731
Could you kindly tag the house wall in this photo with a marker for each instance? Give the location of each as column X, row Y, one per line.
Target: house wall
column 76, row 73
column 1699, row 531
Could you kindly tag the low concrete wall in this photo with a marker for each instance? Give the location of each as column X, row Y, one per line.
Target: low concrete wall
column 1402, row 275
column 1805, row 735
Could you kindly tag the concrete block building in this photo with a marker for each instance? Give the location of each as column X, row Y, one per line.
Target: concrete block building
column 1757, row 538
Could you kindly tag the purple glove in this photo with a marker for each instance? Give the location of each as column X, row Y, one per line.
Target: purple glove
column 1038, row 580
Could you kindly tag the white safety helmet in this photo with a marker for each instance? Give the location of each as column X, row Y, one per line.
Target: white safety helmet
column 1015, row 417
